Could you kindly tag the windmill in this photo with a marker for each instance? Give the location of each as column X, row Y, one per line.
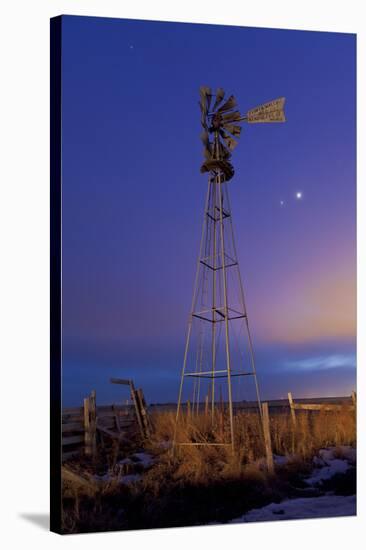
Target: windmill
column 218, row 346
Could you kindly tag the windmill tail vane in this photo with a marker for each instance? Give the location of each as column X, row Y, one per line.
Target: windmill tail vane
column 221, row 122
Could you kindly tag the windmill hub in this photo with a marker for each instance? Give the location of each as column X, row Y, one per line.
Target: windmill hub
column 216, row 121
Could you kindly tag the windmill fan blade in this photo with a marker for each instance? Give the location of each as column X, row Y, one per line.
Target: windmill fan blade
column 203, row 116
column 224, row 153
column 220, row 94
column 268, row 112
column 228, row 105
column 230, row 142
column 213, row 165
column 231, row 117
column 233, row 129
column 207, row 153
column 206, row 95
column 205, row 91
column 204, row 138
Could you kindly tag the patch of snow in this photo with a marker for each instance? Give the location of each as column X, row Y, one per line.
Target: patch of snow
column 301, row 508
column 327, row 454
column 318, row 461
column 110, row 477
column 145, row 459
column 125, row 461
column 343, row 451
column 335, row 466
column 349, row 453
column 327, row 465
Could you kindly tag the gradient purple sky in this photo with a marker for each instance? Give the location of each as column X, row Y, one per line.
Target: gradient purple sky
column 133, row 199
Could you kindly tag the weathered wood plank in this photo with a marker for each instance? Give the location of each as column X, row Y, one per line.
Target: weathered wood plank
column 100, row 408
column 93, row 422
column 354, row 398
column 107, row 422
column 111, row 425
column 316, row 407
column 143, row 412
column 111, row 414
column 122, row 381
column 72, row 427
column 292, row 408
column 111, row 433
column 87, row 435
column 116, row 418
column 70, row 419
column 106, row 408
column 135, row 398
column 72, row 411
column 72, row 439
column 267, row 438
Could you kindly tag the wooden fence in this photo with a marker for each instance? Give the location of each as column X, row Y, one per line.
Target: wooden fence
column 82, row 425
column 349, row 403
column 325, row 406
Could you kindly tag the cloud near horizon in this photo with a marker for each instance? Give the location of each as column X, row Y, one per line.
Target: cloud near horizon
column 323, row 362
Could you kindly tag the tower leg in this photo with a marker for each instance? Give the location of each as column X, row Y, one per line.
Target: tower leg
column 181, row 383
column 214, row 305
column 226, row 313
column 250, row 344
column 190, row 319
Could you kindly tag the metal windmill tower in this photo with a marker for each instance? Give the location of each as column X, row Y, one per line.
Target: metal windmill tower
column 218, row 347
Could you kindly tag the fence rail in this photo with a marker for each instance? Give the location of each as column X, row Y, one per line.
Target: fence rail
column 349, row 402
column 275, row 405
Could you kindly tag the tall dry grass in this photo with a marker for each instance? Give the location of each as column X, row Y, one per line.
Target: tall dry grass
column 201, row 484
column 313, row 430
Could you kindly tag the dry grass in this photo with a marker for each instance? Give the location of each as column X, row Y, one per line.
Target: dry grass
column 313, row 431
column 202, row 484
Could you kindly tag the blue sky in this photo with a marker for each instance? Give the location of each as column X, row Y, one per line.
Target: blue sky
column 133, row 199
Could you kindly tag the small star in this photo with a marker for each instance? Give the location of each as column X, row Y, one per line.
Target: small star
column 282, row 203
column 131, row 46
column 299, row 195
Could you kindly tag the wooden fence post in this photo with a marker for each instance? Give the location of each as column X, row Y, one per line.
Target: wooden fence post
column 143, row 412
column 90, row 425
column 93, row 422
column 116, row 418
column 267, row 438
column 188, row 409
column 87, row 427
column 354, row 399
column 136, row 403
column 292, row 408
